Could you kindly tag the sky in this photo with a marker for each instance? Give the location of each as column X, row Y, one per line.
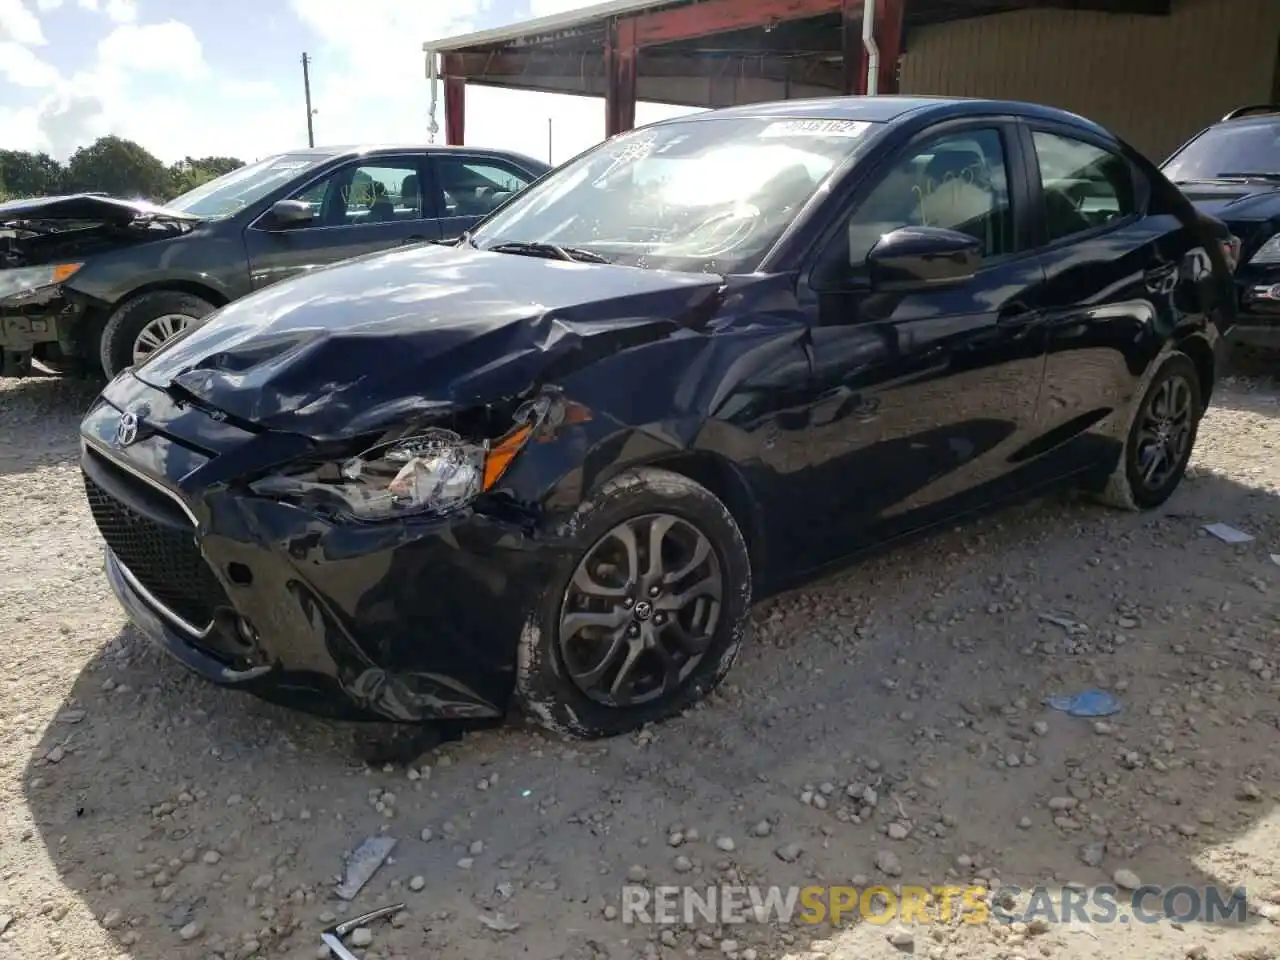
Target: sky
column 224, row 78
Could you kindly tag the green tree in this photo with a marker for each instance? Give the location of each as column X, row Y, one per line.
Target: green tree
column 189, row 173
column 30, row 174
column 120, row 168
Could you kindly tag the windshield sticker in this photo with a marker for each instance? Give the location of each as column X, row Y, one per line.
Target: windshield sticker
column 289, row 165
column 847, row 129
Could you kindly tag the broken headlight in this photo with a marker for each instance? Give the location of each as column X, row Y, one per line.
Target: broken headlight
column 23, row 281
column 429, row 472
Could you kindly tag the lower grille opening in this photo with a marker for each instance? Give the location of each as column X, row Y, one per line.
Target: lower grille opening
column 161, row 554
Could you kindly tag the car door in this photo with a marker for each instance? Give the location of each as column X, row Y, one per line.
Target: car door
column 922, row 400
column 1113, row 268
column 369, row 204
column 469, row 186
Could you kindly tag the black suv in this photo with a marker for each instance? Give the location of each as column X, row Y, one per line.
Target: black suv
column 91, row 281
column 1232, row 170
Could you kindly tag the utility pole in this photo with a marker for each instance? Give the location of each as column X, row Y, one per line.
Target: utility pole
column 306, row 87
column 549, row 141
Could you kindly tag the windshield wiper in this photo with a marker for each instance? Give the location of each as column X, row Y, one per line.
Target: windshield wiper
column 549, row 250
column 1273, row 177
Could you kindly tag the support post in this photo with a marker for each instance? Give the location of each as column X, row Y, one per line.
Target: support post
column 455, row 104
column 620, row 77
column 889, row 33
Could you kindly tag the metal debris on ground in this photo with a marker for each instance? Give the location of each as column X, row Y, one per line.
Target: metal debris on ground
column 1086, row 703
column 1073, row 627
column 332, row 936
column 363, row 864
column 498, row 922
column 1227, row 534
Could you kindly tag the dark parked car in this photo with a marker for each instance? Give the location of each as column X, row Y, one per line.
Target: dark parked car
column 704, row 361
column 1232, row 171
column 88, row 280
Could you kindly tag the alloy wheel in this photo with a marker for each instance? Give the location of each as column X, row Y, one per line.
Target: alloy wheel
column 156, row 333
column 641, row 610
column 1164, row 431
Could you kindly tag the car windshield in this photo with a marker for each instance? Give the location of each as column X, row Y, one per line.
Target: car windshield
column 224, row 195
column 703, row 195
column 1229, row 150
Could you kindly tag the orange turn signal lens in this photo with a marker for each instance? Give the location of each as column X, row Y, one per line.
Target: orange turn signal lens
column 503, row 452
column 63, row 271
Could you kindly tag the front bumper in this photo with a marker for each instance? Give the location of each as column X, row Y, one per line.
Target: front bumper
column 1258, row 321
column 51, row 318
column 404, row 621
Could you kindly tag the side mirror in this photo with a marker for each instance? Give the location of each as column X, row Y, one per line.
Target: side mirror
column 289, row 213
column 923, row 258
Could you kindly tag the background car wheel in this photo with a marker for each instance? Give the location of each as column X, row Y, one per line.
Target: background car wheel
column 1160, row 439
column 136, row 329
column 645, row 617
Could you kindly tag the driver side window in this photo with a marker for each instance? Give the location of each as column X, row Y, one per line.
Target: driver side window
column 957, row 181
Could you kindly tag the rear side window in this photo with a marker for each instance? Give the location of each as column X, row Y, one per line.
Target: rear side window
column 1084, row 186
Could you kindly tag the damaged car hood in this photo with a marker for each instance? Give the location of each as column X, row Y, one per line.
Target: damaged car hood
column 430, row 329
column 85, row 206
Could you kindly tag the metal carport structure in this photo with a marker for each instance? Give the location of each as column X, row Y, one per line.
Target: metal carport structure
column 710, row 53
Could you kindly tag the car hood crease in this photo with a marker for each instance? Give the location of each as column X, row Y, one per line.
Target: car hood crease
column 87, row 207
column 357, row 347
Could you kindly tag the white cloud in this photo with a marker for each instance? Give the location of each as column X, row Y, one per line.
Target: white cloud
column 547, row 8
column 90, row 5
column 19, row 24
column 122, row 11
column 21, row 67
column 46, row 5
column 170, row 49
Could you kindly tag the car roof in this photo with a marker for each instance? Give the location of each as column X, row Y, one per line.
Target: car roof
column 382, row 149
column 890, row 108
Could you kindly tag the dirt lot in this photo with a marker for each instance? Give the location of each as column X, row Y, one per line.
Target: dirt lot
column 146, row 815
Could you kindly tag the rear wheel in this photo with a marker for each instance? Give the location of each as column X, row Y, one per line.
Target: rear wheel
column 140, row 327
column 1160, row 439
column 646, row 617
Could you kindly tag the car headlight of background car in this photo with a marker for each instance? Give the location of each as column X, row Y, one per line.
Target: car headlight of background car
column 20, row 282
column 1268, row 255
column 432, row 471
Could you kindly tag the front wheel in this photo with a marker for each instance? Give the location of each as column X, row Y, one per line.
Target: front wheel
column 144, row 324
column 646, row 617
column 1160, row 439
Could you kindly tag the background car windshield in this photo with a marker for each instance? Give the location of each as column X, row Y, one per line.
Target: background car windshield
column 1230, row 148
column 224, row 195
column 697, row 195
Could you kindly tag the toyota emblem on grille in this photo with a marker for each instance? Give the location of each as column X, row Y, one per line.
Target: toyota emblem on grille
column 127, row 429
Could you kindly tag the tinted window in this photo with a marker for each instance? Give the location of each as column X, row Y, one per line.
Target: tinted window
column 1084, row 186
column 224, row 195
column 471, row 188
column 1227, row 150
column 382, row 191
column 957, row 181
column 698, row 194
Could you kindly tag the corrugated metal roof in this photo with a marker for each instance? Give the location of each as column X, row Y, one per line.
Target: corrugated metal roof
column 568, row 20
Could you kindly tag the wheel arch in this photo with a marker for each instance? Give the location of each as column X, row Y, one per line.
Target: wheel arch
column 723, row 479
column 175, row 285
column 1197, row 348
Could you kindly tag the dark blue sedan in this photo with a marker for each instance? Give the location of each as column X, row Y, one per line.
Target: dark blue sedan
column 554, row 463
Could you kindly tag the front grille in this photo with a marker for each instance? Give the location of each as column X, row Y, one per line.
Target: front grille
column 160, row 554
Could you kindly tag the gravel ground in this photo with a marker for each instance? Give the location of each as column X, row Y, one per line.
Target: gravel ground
column 884, row 726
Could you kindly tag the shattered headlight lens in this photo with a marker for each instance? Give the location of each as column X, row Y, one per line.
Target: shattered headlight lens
column 1268, row 254
column 431, row 472
column 25, row 280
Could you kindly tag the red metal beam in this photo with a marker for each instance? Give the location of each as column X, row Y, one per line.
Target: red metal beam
column 620, row 77
column 455, row 100
column 890, row 17
column 721, row 16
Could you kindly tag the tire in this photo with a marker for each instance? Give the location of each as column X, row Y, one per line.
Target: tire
column 1127, row 489
column 121, row 333
column 638, row 499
